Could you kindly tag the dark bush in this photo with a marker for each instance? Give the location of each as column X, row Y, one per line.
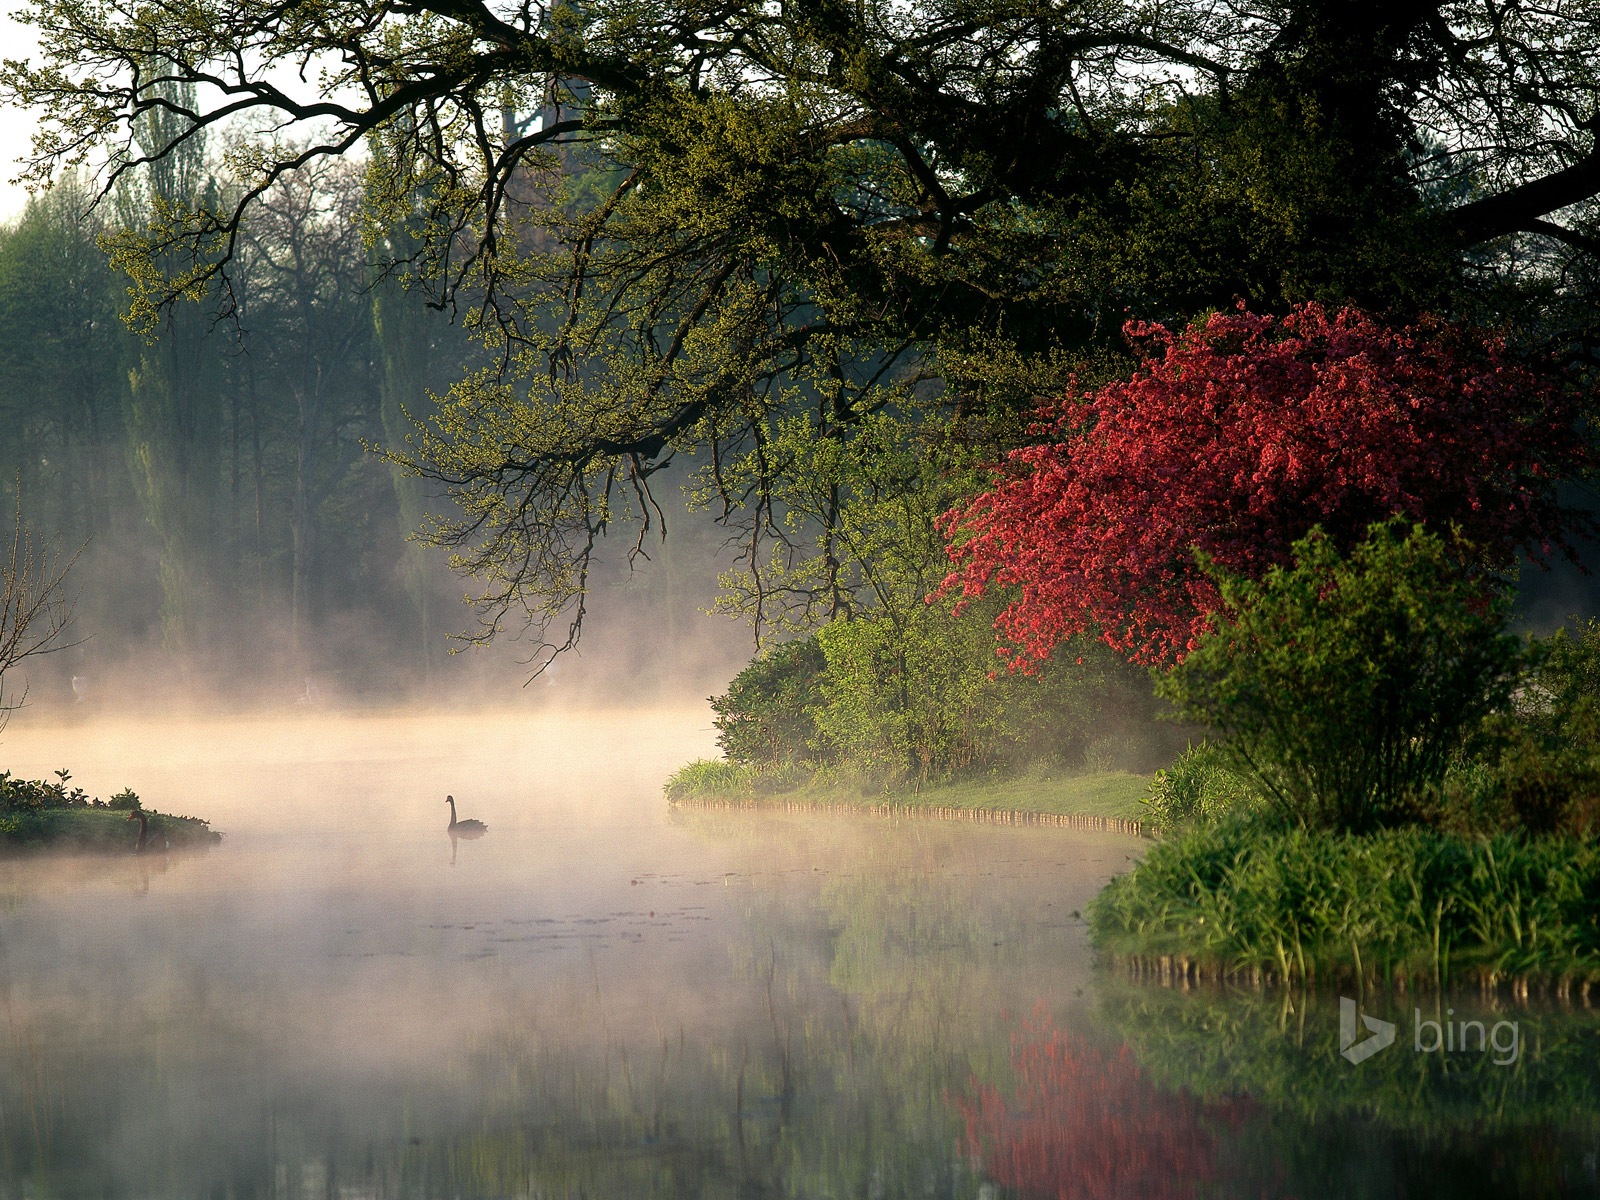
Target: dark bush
column 34, row 795
column 125, row 800
column 765, row 720
column 1344, row 688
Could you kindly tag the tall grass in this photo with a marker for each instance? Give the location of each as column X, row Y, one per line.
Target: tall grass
column 1406, row 908
column 710, row 777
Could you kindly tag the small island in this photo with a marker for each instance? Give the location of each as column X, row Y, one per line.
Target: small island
column 39, row 816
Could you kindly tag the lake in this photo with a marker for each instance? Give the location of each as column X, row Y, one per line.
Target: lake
column 603, row 997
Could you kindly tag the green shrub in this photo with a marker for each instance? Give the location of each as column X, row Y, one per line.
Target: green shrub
column 765, row 718
column 901, row 703
column 125, row 800
column 926, row 699
column 1535, row 765
column 922, row 698
column 33, row 795
column 1345, row 688
column 1199, row 789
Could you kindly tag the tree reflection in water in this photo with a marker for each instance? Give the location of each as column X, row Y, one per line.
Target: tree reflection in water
column 1085, row 1123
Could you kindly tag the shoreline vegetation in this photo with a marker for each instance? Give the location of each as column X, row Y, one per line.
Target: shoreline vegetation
column 1107, row 800
column 1401, row 795
column 1405, row 910
column 41, row 817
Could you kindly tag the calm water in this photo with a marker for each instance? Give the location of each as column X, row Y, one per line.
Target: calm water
column 603, row 999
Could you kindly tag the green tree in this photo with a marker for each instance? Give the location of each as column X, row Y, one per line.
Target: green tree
column 173, row 417
column 62, row 361
column 311, row 323
column 1344, row 687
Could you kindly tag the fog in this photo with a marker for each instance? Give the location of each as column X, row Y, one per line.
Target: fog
column 339, row 983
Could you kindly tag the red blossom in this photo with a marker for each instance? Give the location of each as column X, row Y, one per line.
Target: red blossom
column 1237, row 437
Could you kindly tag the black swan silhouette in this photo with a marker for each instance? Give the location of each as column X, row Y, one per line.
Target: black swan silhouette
column 468, row 828
column 144, row 845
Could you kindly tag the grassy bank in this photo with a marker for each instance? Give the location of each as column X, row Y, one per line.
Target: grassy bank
column 40, row 815
column 1403, row 909
column 97, row 831
column 1113, row 798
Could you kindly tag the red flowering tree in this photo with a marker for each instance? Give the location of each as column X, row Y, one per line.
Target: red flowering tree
column 1236, row 437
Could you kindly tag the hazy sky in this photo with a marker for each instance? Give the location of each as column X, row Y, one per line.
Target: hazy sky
column 16, row 126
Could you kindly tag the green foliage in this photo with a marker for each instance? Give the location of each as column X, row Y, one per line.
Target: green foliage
column 766, row 717
column 897, row 706
column 126, row 799
column 926, row 699
column 1344, row 688
column 35, row 795
column 920, row 700
column 1199, row 789
column 1305, row 904
column 1536, row 765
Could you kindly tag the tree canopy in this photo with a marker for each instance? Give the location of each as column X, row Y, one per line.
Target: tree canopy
column 1237, row 437
column 673, row 222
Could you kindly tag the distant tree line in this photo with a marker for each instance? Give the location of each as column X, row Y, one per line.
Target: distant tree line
column 217, row 469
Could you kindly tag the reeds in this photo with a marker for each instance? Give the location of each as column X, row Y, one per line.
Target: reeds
column 1402, row 909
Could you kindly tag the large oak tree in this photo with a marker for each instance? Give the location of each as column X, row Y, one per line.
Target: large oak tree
column 674, row 221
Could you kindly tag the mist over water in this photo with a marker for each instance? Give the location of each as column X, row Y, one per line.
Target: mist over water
column 339, row 978
column 603, row 997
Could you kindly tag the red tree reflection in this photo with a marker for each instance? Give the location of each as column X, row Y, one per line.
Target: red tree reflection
column 1085, row 1124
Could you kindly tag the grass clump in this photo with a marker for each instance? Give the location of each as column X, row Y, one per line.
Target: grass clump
column 710, row 777
column 1407, row 906
column 1199, row 790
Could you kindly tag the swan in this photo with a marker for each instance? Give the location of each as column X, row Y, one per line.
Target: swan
column 468, row 828
column 144, row 845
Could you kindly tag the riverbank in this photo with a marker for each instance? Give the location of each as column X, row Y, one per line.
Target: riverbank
column 1109, row 800
column 36, row 815
column 99, row 831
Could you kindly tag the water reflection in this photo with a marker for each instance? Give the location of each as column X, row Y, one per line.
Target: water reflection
column 1429, row 1114
column 1085, row 1120
column 607, row 1000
